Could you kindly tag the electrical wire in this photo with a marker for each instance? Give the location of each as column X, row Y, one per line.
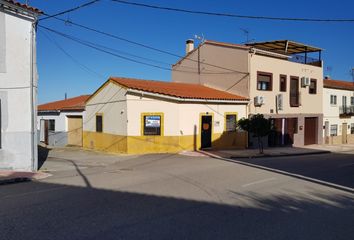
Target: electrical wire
column 68, row 10
column 146, row 46
column 84, row 67
column 229, row 14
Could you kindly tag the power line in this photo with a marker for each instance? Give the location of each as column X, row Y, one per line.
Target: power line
column 69, row 10
column 231, row 15
column 90, row 45
column 144, row 45
column 84, row 67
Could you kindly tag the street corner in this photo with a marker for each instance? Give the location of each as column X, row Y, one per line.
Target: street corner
column 9, row 177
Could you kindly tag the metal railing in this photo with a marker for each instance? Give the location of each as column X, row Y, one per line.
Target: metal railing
column 346, row 110
column 306, row 60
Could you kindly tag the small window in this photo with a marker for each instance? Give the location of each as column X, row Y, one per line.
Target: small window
column 51, row 125
column 264, row 81
column 334, row 130
column 333, row 100
column 231, row 122
column 352, row 128
column 282, row 83
column 313, row 86
column 152, row 125
column 352, row 101
column 99, row 123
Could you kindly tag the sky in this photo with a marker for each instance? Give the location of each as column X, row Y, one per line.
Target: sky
column 67, row 67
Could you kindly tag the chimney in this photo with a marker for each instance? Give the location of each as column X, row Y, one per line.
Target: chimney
column 189, row 45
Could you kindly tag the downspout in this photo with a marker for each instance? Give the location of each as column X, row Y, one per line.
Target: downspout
column 33, row 140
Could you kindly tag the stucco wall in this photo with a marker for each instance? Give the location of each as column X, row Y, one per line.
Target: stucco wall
column 231, row 77
column 181, row 123
column 309, row 103
column 16, row 135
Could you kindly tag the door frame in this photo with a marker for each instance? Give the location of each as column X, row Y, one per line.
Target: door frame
column 316, row 130
column 200, row 128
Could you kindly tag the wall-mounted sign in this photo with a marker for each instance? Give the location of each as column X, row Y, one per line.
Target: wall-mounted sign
column 152, row 121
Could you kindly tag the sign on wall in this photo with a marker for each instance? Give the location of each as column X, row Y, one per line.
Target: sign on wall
column 152, row 121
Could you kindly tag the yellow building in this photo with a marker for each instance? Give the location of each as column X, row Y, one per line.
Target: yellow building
column 138, row 116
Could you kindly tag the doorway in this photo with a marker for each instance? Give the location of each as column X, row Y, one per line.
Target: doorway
column 206, row 132
column 310, row 130
column 75, row 130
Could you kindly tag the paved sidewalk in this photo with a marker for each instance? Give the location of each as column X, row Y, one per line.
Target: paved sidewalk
column 268, row 152
column 8, row 177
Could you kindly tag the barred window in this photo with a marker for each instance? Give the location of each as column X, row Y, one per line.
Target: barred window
column 51, row 125
column 334, row 130
column 152, row 125
column 231, row 120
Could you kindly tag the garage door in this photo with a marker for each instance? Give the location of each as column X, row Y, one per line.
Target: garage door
column 75, row 130
column 310, row 130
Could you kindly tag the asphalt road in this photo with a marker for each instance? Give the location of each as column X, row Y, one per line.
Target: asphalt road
column 92, row 196
column 336, row 168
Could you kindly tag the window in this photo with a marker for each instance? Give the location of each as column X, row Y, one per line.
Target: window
column 334, row 129
column 51, row 125
column 333, row 99
column 152, row 124
column 351, row 129
column 352, row 101
column 99, row 123
column 294, row 92
column 344, row 101
column 230, row 122
column 282, row 83
column 313, row 86
column 264, row 81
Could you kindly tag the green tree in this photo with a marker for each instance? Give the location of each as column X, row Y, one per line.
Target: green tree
column 258, row 126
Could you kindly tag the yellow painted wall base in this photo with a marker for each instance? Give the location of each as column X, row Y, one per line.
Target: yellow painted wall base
column 160, row 144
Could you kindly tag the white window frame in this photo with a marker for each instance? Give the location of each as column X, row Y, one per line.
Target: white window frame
column 333, row 100
column 333, row 130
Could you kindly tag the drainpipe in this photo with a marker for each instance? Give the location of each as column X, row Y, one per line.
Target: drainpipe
column 32, row 86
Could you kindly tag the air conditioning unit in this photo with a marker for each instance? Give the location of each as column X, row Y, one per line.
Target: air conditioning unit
column 279, row 100
column 305, row 81
column 259, row 101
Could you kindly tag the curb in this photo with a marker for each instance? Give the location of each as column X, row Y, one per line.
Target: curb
column 14, row 180
column 281, row 155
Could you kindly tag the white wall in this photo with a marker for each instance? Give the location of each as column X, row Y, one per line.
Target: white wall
column 331, row 112
column 61, row 120
column 179, row 118
column 111, row 103
column 15, row 95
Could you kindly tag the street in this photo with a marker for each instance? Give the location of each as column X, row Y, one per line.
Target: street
column 168, row 196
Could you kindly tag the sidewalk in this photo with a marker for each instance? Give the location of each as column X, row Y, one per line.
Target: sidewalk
column 268, row 152
column 283, row 151
column 8, row 177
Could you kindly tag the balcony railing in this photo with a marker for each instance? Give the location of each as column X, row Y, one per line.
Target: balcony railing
column 306, row 60
column 346, row 110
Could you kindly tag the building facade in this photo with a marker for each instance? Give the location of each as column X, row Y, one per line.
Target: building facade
column 60, row 123
column 338, row 111
column 283, row 80
column 139, row 116
column 18, row 86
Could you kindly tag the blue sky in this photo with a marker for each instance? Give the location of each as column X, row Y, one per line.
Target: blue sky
column 165, row 30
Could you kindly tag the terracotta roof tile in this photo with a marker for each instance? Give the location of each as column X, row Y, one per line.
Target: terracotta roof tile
column 337, row 84
column 25, row 6
column 75, row 103
column 179, row 90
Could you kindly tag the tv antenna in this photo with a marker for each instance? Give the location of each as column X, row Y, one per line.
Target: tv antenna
column 199, row 38
column 246, row 32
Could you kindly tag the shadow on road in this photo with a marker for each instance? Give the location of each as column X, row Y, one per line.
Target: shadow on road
column 69, row 212
column 42, row 155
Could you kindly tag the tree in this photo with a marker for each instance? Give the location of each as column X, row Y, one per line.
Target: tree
column 258, row 126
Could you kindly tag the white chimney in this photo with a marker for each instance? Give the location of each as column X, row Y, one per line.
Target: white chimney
column 189, row 45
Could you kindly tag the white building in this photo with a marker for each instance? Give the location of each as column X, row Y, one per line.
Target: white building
column 139, row 116
column 60, row 122
column 338, row 111
column 18, row 86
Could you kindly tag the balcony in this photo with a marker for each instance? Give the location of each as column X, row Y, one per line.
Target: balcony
column 346, row 111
